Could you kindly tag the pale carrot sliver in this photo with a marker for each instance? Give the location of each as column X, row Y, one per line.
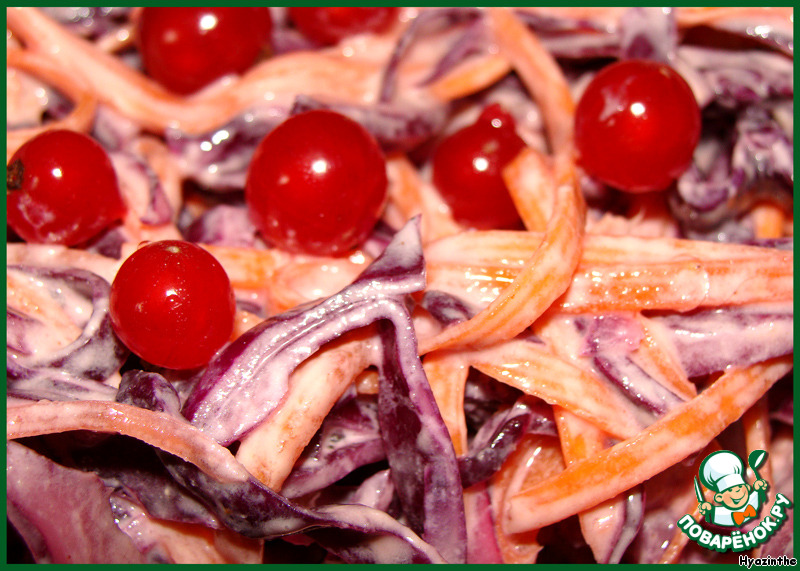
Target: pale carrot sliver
column 447, row 376
column 270, row 450
column 537, row 371
column 80, row 117
column 470, row 77
column 158, row 429
column 683, row 431
column 545, row 459
column 532, row 187
column 540, row 73
column 769, row 220
column 655, row 357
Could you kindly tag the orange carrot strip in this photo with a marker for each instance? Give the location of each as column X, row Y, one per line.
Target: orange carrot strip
column 581, row 439
column 158, row 429
column 470, row 77
column 540, row 73
column 537, row 371
column 270, row 450
column 769, row 220
column 655, row 357
column 414, row 196
column 248, row 267
column 81, row 116
column 532, row 188
column 534, row 458
column 141, row 99
column 683, row 431
column 543, row 278
column 447, row 376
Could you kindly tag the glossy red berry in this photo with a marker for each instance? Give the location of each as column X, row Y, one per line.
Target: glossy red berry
column 187, row 48
column 328, row 25
column 637, row 125
column 172, row 304
column 61, row 188
column 467, row 170
column 316, row 184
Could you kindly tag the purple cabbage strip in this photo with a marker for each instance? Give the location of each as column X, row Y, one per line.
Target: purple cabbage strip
column 626, row 525
column 223, row 225
column 418, row 445
column 90, row 22
column 499, row 436
column 137, row 171
column 248, row 379
column 55, row 385
column 573, row 38
column 427, row 20
column 356, row 533
column 710, row 340
column 446, row 308
column 348, row 439
column 95, row 354
column 396, row 127
column 648, row 33
column 62, row 514
column 218, row 160
column 609, row 340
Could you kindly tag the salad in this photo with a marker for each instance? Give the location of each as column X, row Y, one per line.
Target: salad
column 394, row 285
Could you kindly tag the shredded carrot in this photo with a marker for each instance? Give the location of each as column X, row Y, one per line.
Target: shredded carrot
column 158, row 429
column 270, row 450
column 447, row 377
column 470, row 77
column 683, row 431
column 536, row 370
column 80, row 117
column 543, row 278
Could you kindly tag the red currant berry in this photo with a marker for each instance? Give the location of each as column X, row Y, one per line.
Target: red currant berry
column 172, row 304
column 317, row 184
column 467, row 170
column 61, row 188
column 637, row 125
column 328, row 25
column 185, row 49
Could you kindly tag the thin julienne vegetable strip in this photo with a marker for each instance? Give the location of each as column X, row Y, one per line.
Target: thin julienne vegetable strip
column 55, row 255
column 538, row 371
column 540, row 73
column 662, row 364
column 681, row 432
column 532, row 450
column 543, row 278
column 769, row 220
column 413, row 197
column 447, row 375
column 158, row 429
column 142, row 100
column 23, row 295
column 270, row 450
column 678, row 276
column 532, row 187
column 79, row 118
column 470, row 77
column 580, row 439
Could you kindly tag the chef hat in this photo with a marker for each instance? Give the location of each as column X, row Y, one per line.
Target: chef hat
column 722, row 470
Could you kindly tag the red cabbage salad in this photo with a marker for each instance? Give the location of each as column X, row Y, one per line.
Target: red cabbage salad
column 393, row 285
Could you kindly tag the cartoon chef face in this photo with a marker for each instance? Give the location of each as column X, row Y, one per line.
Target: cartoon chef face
column 735, row 497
